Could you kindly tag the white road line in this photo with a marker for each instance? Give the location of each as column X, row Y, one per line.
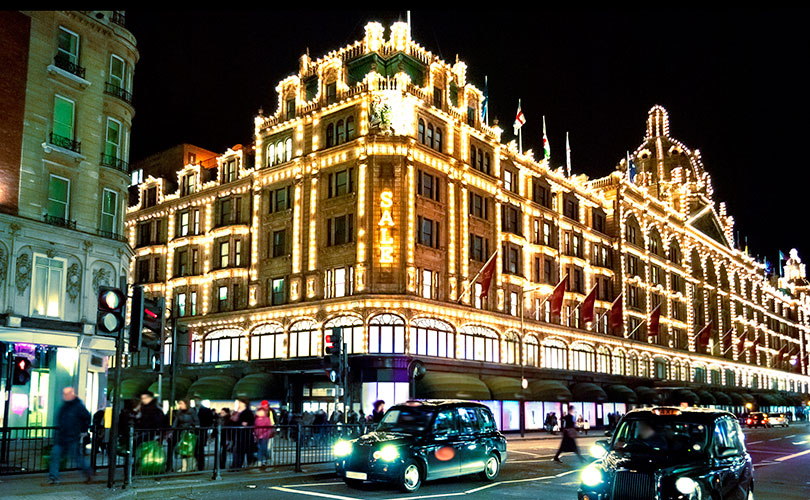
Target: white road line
column 313, row 493
column 788, row 457
column 481, row 488
column 755, row 442
column 775, row 439
column 304, row 485
column 789, row 436
column 523, row 453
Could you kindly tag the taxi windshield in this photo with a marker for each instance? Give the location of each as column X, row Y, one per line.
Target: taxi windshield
column 407, row 420
column 653, row 435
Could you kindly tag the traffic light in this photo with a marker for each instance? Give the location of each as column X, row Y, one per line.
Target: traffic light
column 111, row 302
column 333, row 344
column 22, row 371
column 147, row 314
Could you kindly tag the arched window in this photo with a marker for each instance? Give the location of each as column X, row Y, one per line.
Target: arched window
column 340, row 135
column 531, row 350
column 661, row 367
column 267, row 341
column 479, row 343
column 303, row 339
column 644, row 366
column 632, row 365
column 700, row 374
column 674, row 252
column 351, row 328
column 386, row 334
column 512, row 345
column 330, row 135
column 582, row 358
column 603, row 360
column 422, row 131
column 288, row 148
column 437, row 140
column 555, row 354
column 632, row 232
column 350, row 128
column 271, row 154
column 483, row 166
column 279, row 152
column 222, row 345
column 432, row 337
column 429, row 138
column 676, row 370
column 620, row 363
column 656, row 247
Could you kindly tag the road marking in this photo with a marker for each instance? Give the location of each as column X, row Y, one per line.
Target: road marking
column 523, row 453
column 789, row 436
column 304, row 485
column 775, row 439
column 755, row 442
column 486, row 486
column 788, row 457
column 313, row 493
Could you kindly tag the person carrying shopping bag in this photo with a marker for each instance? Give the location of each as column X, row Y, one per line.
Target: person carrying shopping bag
column 264, row 431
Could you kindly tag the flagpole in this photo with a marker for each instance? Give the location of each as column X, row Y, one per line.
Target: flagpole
column 545, row 299
column 634, row 331
column 580, row 303
column 609, row 308
column 472, row 283
column 520, row 132
column 486, row 111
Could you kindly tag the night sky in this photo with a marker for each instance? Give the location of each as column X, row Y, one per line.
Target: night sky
column 734, row 83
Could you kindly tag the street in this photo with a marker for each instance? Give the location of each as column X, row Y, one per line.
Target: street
column 781, row 459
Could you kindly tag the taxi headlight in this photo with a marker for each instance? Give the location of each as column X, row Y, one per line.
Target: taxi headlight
column 591, row 475
column 386, row 453
column 598, row 451
column 343, row 448
column 686, row 485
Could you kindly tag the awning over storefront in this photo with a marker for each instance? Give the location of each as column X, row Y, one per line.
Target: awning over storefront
column 133, row 386
column 705, row 398
column 648, row 396
column 216, row 387
column 747, row 398
column 722, row 398
column 679, row 396
column 586, row 391
column 549, row 390
column 506, row 388
column 620, row 394
column 451, row 386
column 765, row 399
column 258, row 386
column 736, row 399
column 180, row 388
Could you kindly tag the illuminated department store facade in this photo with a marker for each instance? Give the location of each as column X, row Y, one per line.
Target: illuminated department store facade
column 371, row 198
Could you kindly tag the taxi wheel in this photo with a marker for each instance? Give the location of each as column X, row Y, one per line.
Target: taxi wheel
column 492, row 467
column 352, row 483
column 410, row 479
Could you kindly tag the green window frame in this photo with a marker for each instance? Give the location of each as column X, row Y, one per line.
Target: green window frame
column 109, row 211
column 67, row 44
column 58, row 196
column 64, row 117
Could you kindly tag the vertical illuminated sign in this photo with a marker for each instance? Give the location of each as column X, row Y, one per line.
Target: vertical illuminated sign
column 386, row 225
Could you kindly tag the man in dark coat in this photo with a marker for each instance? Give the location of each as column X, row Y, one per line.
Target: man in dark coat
column 149, row 418
column 72, row 421
column 378, row 411
column 206, row 416
column 243, row 436
column 568, row 427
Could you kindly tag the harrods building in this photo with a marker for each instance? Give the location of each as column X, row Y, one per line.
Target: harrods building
column 369, row 200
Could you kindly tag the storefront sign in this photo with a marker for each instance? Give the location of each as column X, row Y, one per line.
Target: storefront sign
column 386, row 227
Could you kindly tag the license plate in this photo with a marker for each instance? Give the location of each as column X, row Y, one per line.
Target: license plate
column 356, row 475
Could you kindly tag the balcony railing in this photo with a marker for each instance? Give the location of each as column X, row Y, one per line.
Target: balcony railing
column 118, row 18
column 116, row 91
column 65, row 142
column 62, row 61
column 111, row 235
column 114, row 163
column 59, row 221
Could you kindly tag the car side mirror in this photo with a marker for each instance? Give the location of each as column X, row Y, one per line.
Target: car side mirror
column 609, row 433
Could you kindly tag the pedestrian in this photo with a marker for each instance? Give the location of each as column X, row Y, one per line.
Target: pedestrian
column 568, row 444
column 378, row 411
column 547, row 423
column 554, row 422
column 264, row 432
column 186, row 424
column 207, row 417
column 98, row 431
column 226, row 442
column 243, row 434
column 149, row 418
column 72, row 421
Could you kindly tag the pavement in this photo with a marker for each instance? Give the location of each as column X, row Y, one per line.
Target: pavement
column 781, row 459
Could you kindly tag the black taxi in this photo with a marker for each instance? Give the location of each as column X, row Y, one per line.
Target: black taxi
column 671, row 453
column 424, row 439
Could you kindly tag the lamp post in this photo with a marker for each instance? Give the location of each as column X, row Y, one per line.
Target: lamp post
column 523, row 382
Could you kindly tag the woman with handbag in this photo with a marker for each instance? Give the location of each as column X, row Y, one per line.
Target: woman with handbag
column 187, row 423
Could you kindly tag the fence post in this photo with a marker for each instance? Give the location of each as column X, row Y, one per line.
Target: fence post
column 298, row 440
column 217, row 451
column 129, row 458
column 93, row 454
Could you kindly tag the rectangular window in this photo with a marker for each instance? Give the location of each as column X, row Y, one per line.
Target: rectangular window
column 183, row 224
column 340, row 230
column 547, row 276
column 46, row 287
column 67, row 45
column 427, row 284
column 479, row 248
column 428, row 186
column 547, row 233
column 112, row 142
column 478, row 291
column 277, row 291
column 196, row 222
column 508, row 180
column 181, row 304
column 195, row 258
column 437, row 97
column 58, row 197
column 281, row 199
column 290, row 106
column 513, row 303
column 237, row 251
column 478, row 206
column 223, row 253
column 225, row 213
column 193, row 308
column 341, row 183
column 511, row 220
column 331, row 92
column 340, row 282
column 64, row 117
column 109, row 211
column 188, row 184
column 279, row 243
column 182, row 263
column 222, row 298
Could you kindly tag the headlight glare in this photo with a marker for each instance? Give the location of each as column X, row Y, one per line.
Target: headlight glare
column 343, row 448
column 591, row 475
column 686, row 485
column 386, row 453
column 598, row 451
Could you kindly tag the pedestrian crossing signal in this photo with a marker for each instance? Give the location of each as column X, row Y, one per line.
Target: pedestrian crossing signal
column 22, row 371
column 111, row 302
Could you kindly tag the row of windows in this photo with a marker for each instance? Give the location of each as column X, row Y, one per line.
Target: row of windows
column 429, row 136
column 58, row 205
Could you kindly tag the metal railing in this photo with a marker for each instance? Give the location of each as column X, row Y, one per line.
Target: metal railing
column 116, row 91
column 59, row 221
column 118, row 18
column 115, row 163
column 65, row 142
column 62, row 61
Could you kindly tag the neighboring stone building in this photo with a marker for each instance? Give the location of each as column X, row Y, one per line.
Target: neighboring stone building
column 64, row 146
column 373, row 196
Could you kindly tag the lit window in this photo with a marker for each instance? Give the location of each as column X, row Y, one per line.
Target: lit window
column 109, row 212
column 58, row 197
column 46, row 287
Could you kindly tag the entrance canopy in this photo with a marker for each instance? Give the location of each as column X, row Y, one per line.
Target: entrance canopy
column 452, row 386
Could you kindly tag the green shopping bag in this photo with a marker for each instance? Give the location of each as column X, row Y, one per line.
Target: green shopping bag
column 151, row 458
column 187, row 443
